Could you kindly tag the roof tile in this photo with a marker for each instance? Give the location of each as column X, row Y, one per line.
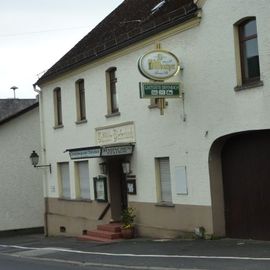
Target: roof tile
column 130, row 22
column 10, row 107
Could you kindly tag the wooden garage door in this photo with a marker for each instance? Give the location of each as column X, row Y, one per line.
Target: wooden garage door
column 246, row 179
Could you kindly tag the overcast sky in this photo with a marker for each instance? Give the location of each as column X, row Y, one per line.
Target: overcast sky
column 34, row 34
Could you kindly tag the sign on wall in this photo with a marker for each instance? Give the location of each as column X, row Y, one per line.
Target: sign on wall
column 117, row 150
column 159, row 90
column 131, row 184
column 122, row 133
column 100, row 189
column 90, row 152
column 101, row 151
column 158, row 65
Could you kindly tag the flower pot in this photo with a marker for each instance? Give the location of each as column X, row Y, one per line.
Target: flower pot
column 128, row 233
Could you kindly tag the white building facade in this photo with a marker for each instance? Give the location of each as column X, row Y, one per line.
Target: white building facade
column 21, row 194
column 181, row 162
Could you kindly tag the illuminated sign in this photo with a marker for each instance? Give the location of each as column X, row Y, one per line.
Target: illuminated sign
column 158, row 65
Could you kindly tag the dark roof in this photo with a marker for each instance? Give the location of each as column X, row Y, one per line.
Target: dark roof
column 11, row 108
column 130, row 22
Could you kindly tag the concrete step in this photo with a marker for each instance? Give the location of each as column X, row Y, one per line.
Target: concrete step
column 111, row 227
column 96, row 239
column 104, row 234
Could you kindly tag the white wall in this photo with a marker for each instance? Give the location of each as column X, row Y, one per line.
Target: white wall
column 212, row 106
column 21, row 195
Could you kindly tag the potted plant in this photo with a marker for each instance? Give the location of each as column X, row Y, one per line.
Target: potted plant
column 127, row 228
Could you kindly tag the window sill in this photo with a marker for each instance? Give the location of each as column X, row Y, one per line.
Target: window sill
column 83, row 200
column 75, row 200
column 64, row 199
column 165, row 204
column 112, row 114
column 79, row 122
column 248, row 86
column 59, row 126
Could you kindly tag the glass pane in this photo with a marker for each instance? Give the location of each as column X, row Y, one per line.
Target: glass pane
column 251, row 48
column 114, row 103
column 81, row 85
column 251, row 59
column 250, row 28
column 82, row 105
column 58, row 107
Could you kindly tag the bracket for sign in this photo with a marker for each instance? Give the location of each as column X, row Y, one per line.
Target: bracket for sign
column 162, row 105
column 161, row 101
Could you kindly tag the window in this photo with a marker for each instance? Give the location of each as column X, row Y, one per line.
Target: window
column 111, row 91
column 80, row 98
column 58, row 107
column 64, row 179
column 83, row 179
column 248, row 47
column 165, row 179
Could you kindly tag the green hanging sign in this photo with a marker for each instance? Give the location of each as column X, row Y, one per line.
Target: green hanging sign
column 159, row 90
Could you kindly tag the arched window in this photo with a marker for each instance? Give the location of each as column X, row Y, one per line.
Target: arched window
column 58, row 107
column 249, row 54
column 111, row 91
column 80, row 98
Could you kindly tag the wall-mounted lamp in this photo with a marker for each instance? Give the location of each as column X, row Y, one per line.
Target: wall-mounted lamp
column 126, row 167
column 34, row 160
column 103, row 167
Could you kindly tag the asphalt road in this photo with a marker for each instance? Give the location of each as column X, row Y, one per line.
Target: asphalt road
column 12, row 263
column 38, row 253
column 8, row 262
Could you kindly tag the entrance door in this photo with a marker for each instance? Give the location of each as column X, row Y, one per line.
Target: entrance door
column 246, row 180
column 118, row 189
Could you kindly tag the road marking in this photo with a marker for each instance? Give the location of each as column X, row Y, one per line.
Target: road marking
column 35, row 253
column 104, row 265
column 138, row 255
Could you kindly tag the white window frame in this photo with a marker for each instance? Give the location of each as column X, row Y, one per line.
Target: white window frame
column 64, row 180
column 164, row 180
column 83, row 180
